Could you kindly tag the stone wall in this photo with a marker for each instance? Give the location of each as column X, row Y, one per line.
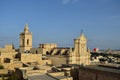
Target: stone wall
column 8, row 66
column 17, row 64
column 29, row 57
column 93, row 74
column 36, row 50
column 46, row 62
column 57, row 59
column 56, row 74
column 33, row 72
column 3, row 71
column 9, row 55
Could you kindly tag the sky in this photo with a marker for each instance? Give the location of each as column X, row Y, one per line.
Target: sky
column 61, row 21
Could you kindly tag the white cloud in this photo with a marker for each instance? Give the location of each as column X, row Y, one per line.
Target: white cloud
column 69, row 1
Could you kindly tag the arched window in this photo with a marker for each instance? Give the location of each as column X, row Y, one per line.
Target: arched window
column 27, row 41
column 22, row 41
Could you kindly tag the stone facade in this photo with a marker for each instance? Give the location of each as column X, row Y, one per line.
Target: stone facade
column 29, row 58
column 98, row 73
column 36, row 50
column 57, row 60
column 7, row 58
column 80, row 54
column 25, row 40
column 47, row 47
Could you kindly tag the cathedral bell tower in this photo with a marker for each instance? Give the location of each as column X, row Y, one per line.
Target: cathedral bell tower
column 25, row 40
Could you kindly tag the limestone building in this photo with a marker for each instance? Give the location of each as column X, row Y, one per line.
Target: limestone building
column 29, row 54
column 53, row 49
column 47, row 47
column 25, row 39
column 80, row 54
column 8, row 58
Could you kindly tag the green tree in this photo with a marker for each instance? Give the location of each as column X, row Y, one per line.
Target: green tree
column 13, row 77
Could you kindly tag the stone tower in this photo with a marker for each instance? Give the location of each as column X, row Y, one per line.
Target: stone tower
column 80, row 55
column 25, row 40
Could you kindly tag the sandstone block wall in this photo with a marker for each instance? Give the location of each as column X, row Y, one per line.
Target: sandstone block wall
column 28, row 57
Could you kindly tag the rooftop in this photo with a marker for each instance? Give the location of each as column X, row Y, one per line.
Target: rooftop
column 40, row 77
column 104, row 68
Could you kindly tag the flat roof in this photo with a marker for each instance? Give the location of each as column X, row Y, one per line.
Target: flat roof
column 103, row 68
column 98, row 67
column 40, row 77
column 46, row 77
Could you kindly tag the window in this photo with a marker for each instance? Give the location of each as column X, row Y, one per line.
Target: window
column 27, row 41
column 36, row 51
column 22, row 41
column 42, row 45
column 6, row 60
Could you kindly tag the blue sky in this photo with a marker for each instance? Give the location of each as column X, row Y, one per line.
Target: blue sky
column 60, row 21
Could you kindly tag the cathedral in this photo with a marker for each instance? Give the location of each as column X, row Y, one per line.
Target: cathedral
column 46, row 53
column 28, row 60
column 80, row 55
